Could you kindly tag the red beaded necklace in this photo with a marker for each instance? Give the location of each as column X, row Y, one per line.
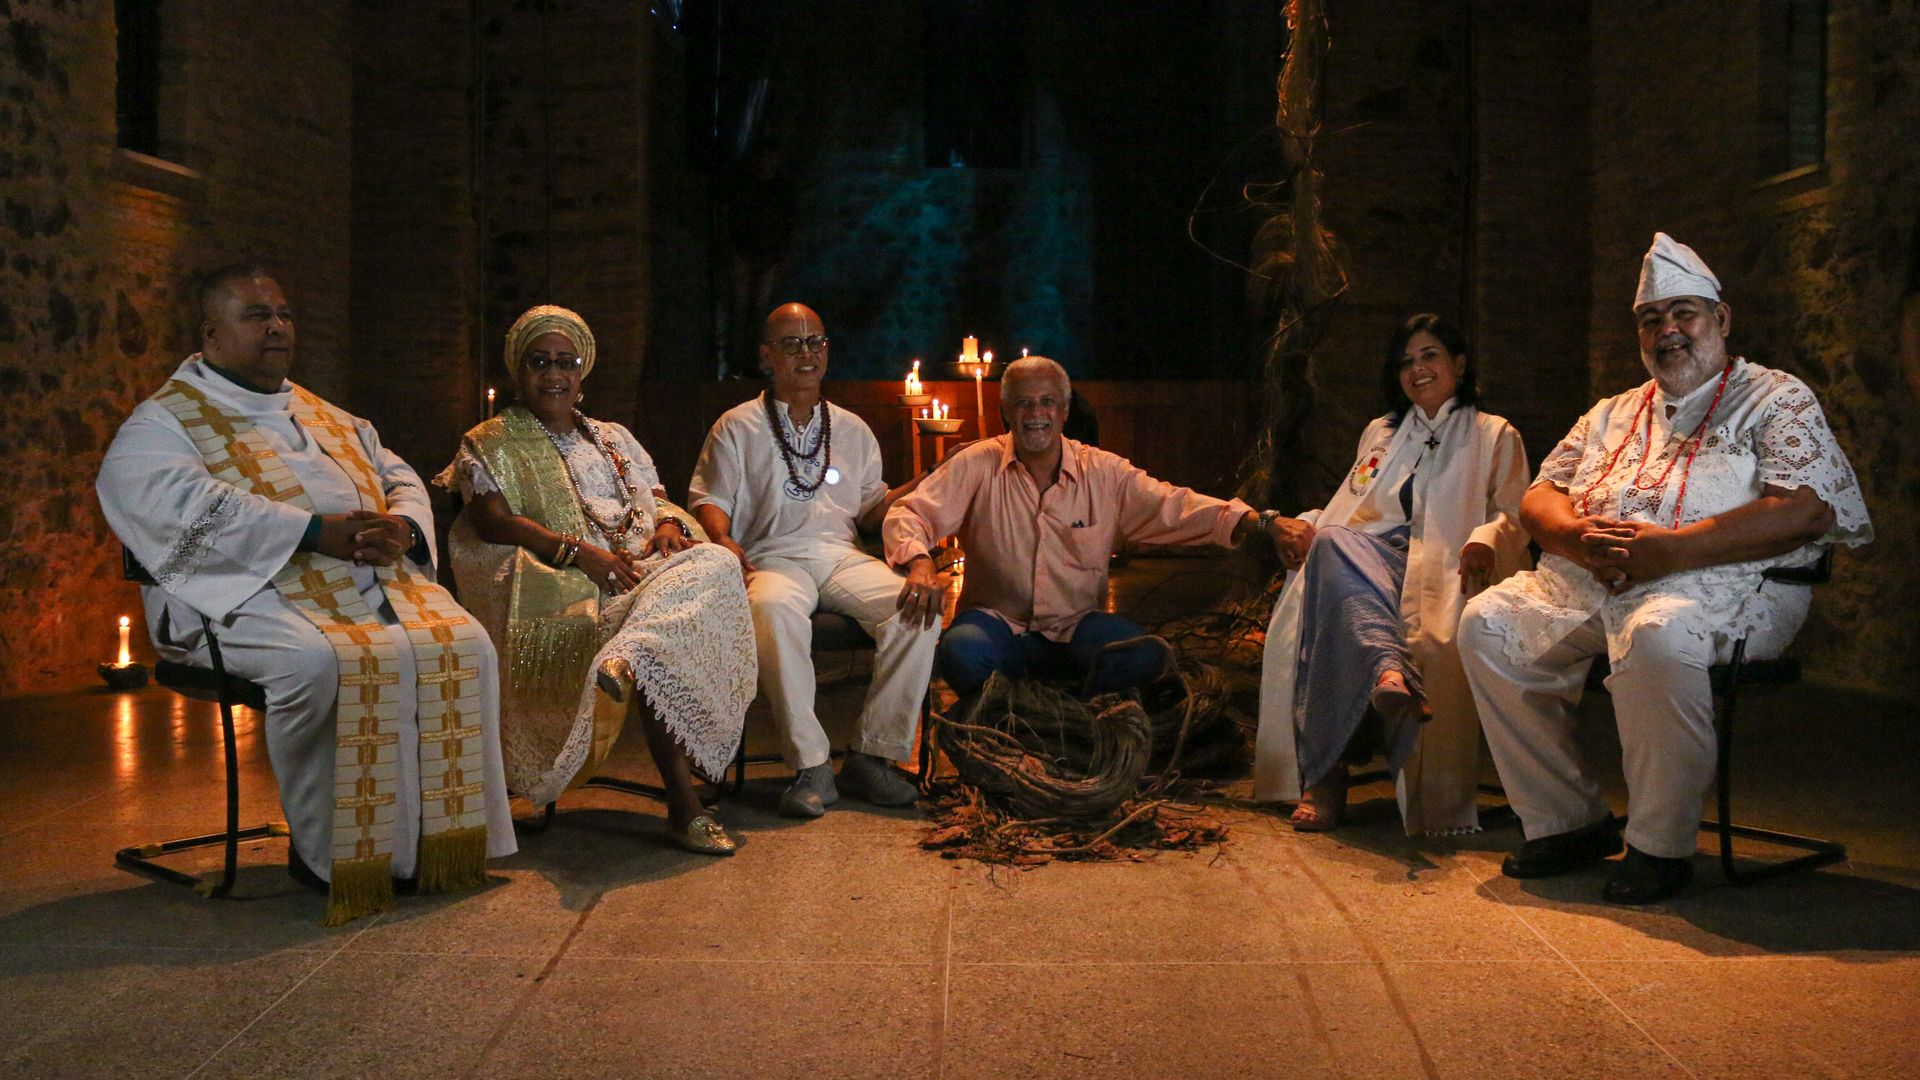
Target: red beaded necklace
column 1691, row 446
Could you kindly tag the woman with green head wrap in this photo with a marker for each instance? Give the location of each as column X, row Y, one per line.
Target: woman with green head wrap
column 598, row 591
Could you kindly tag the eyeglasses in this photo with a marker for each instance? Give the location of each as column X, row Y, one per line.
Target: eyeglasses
column 794, row 346
column 541, row 362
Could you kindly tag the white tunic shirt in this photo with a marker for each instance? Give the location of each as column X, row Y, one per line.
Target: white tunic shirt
column 741, row 472
column 1766, row 429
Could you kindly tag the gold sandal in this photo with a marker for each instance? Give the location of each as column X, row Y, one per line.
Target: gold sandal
column 704, row 836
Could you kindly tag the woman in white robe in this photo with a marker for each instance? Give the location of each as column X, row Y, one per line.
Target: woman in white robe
column 1436, row 483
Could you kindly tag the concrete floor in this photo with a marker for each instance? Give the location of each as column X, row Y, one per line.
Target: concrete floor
column 837, row 948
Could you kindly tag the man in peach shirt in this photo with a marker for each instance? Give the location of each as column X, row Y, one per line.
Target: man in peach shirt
column 1038, row 515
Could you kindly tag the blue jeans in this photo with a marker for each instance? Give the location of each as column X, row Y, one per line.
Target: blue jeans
column 977, row 645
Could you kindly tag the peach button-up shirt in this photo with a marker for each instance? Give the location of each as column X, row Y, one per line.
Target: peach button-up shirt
column 1039, row 562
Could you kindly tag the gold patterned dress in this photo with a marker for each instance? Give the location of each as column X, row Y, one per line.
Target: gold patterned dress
column 684, row 629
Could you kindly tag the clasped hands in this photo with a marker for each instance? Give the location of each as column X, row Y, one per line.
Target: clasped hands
column 364, row 537
column 1623, row 554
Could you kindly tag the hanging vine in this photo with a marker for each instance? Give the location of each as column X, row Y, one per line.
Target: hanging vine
column 1295, row 255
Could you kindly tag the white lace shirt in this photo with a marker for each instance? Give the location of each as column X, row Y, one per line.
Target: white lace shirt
column 1767, row 429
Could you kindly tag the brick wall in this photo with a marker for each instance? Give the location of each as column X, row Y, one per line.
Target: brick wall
column 564, row 204
column 419, row 367
column 1813, row 266
column 93, row 247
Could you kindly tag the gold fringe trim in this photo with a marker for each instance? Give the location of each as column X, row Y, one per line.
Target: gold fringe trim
column 452, row 860
column 360, row 887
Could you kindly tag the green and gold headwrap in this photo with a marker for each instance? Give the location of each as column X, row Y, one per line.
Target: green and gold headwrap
column 549, row 319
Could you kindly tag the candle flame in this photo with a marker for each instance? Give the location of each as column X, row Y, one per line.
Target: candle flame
column 987, row 358
column 125, row 622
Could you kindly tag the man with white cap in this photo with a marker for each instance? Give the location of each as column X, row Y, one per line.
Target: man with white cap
column 1657, row 514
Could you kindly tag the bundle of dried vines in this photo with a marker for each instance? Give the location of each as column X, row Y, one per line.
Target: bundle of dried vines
column 1041, row 753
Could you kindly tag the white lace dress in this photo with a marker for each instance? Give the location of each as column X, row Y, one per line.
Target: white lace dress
column 1767, row 429
column 684, row 629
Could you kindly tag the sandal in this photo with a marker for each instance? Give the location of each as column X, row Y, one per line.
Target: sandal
column 1323, row 805
column 1396, row 702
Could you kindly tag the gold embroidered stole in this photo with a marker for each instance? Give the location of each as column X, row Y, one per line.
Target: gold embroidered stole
column 447, row 653
column 553, row 615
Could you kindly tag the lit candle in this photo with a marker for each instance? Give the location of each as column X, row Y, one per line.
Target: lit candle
column 126, row 655
column 1023, row 352
column 923, row 414
column 970, row 349
column 489, row 401
column 913, row 379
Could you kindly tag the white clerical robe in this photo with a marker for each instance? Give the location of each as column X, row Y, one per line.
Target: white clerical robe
column 214, row 549
column 1467, row 488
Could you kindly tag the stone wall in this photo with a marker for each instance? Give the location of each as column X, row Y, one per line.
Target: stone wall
column 1813, row 264
column 94, row 245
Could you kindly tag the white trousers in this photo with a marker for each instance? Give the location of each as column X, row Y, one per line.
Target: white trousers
column 784, row 592
column 268, row 641
column 1662, row 701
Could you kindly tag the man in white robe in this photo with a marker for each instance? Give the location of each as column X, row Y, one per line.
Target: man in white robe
column 785, row 482
column 215, row 549
column 1658, row 514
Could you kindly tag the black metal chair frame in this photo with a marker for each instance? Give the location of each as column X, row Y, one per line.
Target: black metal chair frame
column 202, row 684
column 1727, row 679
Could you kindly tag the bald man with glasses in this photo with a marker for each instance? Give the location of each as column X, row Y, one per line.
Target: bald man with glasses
column 786, row 481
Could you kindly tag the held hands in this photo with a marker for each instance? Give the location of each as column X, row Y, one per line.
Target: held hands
column 1291, row 538
column 920, row 597
column 365, row 537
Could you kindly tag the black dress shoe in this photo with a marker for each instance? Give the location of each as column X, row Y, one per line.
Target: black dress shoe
column 1646, row 879
column 298, row 870
column 1563, row 853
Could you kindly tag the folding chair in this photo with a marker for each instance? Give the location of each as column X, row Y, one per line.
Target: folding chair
column 202, row 684
column 1727, row 679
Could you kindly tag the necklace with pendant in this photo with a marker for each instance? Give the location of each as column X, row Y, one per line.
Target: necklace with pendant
column 788, row 452
column 630, row 516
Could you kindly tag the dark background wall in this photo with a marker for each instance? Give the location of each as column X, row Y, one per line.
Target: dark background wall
column 1813, row 261
column 419, row 173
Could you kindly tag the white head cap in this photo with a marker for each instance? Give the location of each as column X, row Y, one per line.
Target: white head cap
column 1672, row 269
